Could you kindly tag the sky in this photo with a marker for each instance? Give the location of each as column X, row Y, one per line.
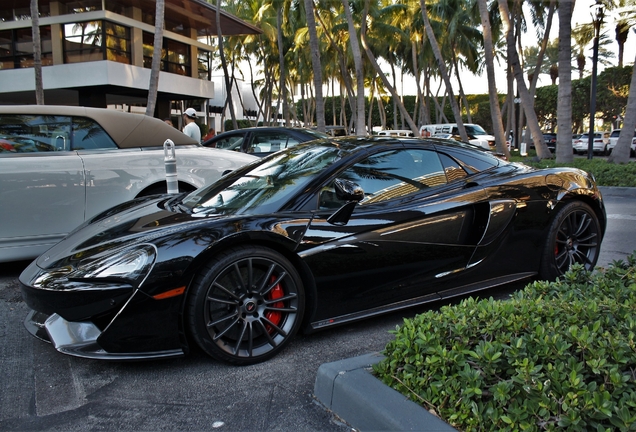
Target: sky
column 479, row 84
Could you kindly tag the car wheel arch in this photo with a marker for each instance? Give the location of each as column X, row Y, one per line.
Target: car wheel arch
column 271, row 241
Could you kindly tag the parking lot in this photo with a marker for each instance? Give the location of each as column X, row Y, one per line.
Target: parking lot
column 45, row 390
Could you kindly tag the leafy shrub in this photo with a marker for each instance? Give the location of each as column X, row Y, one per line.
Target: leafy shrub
column 555, row 355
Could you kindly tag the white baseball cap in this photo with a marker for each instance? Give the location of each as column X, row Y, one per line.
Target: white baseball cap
column 190, row 112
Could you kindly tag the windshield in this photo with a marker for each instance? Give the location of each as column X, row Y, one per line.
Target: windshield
column 475, row 130
column 267, row 186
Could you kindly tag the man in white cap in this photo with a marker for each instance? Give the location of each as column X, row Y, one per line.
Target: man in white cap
column 191, row 128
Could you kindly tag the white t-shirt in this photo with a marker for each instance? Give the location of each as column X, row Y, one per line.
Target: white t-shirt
column 192, row 130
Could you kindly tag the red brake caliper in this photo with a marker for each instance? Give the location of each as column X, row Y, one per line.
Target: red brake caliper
column 273, row 316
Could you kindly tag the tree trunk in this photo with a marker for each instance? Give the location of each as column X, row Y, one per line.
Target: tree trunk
column 228, row 84
column 620, row 154
column 153, row 86
column 314, row 47
column 526, row 98
column 489, row 54
column 281, row 64
column 357, row 61
column 378, row 69
column 443, row 71
column 37, row 53
column 564, row 103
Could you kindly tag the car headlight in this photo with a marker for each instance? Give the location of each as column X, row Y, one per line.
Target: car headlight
column 132, row 265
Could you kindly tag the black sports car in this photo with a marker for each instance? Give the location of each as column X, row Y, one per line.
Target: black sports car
column 321, row 234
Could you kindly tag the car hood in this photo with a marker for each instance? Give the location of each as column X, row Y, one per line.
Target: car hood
column 139, row 221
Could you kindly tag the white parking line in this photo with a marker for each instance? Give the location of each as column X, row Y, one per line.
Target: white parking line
column 621, row 216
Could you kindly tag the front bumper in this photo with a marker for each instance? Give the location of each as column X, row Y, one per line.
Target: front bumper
column 79, row 339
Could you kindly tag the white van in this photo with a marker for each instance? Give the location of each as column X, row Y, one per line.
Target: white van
column 476, row 134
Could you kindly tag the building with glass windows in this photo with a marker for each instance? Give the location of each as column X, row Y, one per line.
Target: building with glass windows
column 98, row 53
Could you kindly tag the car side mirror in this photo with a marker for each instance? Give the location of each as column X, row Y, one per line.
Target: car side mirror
column 347, row 191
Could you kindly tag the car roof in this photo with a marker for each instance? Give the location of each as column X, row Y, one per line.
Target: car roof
column 128, row 130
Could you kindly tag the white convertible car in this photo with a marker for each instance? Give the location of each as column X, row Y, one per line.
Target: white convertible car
column 60, row 165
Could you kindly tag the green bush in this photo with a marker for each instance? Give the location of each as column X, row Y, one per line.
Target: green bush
column 557, row 355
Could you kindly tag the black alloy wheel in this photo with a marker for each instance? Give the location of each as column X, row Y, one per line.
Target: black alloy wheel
column 246, row 305
column 574, row 237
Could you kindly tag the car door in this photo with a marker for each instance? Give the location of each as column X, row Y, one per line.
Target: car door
column 413, row 228
column 42, row 184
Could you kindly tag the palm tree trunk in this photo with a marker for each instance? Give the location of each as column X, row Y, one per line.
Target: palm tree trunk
column 228, row 84
column 37, row 53
column 357, row 61
column 314, row 47
column 526, row 98
column 281, row 62
column 444, row 72
column 153, row 86
column 378, row 69
column 620, row 154
column 489, row 54
column 564, row 103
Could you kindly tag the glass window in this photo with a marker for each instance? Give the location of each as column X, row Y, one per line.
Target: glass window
column 88, row 135
column 453, row 170
column 84, row 41
column 389, row 175
column 175, row 56
column 117, row 42
column 474, row 161
column 204, row 65
column 268, row 142
column 16, row 48
column 230, row 143
column 21, row 133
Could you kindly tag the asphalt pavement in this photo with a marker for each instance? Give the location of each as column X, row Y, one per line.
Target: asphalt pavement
column 45, row 390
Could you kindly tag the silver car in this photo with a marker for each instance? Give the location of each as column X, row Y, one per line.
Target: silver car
column 61, row 165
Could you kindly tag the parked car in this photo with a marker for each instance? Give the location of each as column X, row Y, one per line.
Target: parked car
column 601, row 139
column 550, row 138
column 61, row 165
column 318, row 235
column 613, row 139
column 261, row 141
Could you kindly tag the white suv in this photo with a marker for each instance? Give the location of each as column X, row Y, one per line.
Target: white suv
column 601, row 139
column 613, row 139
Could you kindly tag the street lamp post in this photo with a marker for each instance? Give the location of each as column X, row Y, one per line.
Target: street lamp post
column 597, row 15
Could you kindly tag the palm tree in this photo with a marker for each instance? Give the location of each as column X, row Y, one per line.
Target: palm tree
column 314, row 48
column 526, row 98
column 443, row 71
column 357, row 60
column 564, row 104
column 495, row 111
column 621, row 152
column 37, row 53
column 153, row 86
column 378, row 69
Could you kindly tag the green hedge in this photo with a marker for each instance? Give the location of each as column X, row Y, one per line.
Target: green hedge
column 556, row 355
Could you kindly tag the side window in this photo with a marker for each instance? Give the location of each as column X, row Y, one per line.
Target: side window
column 230, row 143
column 269, row 142
column 389, row 175
column 88, row 135
column 23, row 133
column 452, row 169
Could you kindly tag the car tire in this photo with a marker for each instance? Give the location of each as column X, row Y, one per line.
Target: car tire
column 574, row 237
column 245, row 305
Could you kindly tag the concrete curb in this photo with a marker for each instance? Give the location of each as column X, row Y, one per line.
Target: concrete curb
column 347, row 388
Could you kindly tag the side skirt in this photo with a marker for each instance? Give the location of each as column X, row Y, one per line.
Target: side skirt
column 442, row 295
